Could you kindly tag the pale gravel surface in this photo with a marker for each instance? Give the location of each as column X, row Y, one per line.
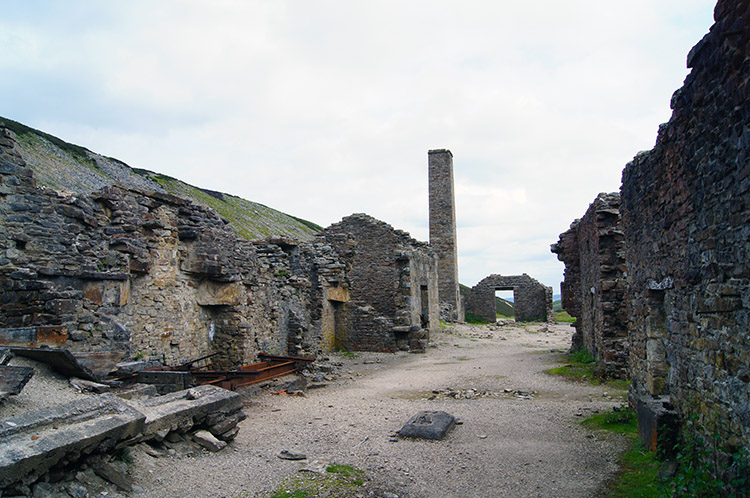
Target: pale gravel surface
column 45, row 388
column 506, row 446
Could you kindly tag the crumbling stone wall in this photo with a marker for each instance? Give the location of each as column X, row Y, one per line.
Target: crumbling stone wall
column 443, row 232
column 686, row 218
column 593, row 251
column 393, row 286
column 152, row 275
column 532, row 300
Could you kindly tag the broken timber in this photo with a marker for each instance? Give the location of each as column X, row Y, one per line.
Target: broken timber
column 271, row 367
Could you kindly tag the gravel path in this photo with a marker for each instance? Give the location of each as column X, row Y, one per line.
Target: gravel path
column 520, row 434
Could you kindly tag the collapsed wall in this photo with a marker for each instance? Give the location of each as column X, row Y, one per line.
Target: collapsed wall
column 594, row 288
column 392, row 302
column 686, row 218
column 150, row 275
column 532, row 300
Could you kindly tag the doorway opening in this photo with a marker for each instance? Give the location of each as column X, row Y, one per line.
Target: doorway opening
column 505, row 304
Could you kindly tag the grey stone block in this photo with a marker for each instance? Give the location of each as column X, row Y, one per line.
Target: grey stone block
column 428, row 425
column 208, row 441
column 182, row 410
column 35, row 442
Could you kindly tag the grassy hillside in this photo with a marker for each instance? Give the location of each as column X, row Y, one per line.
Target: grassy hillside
column 71, row 169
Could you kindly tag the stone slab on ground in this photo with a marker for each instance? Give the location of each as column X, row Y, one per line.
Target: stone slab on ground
column 33, row 443
column 61, row 360
column 13, row 379
column 428, row 425
column 183, row 409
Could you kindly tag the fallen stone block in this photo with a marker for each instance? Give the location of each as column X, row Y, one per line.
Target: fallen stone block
column 165, row 381
column 13, row 379
column 227, row 424
column 428, row 425
column 137, row 391
column 110, row 473
column 61, row 360
column 658, row 423
column 208, row 441
column 34, row 442
column 102, row 363
column 184, row 409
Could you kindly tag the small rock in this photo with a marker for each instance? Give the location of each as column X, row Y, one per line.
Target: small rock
column 111, row 473
column 43, row 490
column 208, row 441
column 174, row 437
column 290, row 455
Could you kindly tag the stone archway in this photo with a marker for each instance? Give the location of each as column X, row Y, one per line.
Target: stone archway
column 533, row 300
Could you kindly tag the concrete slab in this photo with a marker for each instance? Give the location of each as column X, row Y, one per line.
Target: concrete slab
column 35, row 442
column 428, row 425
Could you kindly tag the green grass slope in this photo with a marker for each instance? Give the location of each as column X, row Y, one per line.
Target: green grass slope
column 72, row 169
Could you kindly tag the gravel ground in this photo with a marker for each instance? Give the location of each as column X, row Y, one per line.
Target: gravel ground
column 520, row 434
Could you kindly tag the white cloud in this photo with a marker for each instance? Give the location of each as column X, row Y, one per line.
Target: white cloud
column 325, row 108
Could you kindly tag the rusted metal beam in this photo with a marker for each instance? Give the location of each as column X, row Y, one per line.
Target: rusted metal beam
column 272, row 366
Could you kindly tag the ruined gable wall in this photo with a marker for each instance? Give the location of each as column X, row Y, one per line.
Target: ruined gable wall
column 532, row 299
column 686, row 214
column 392, row 282
column 151, row 275
column 594, row 289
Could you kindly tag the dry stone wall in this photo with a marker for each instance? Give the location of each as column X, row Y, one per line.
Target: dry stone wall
column 593, row 251
column 532, row 300
column 393, row 286
column 152, row 275
column 686, row 217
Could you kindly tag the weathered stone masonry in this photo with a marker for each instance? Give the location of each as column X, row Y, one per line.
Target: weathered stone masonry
column 686, row 217
column 532, row 300
column 393, row 286
column 685, row 208
column 152, row 275
column 593, row 291
column 443, row 232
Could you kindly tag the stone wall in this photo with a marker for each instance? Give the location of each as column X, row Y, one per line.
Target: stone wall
column 686, row 217
column 593, row 251
column 532, row 300
column 152, row 275
column 392, row 301
column 443, row 232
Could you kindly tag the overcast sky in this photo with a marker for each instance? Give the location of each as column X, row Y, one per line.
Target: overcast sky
column 325, row 108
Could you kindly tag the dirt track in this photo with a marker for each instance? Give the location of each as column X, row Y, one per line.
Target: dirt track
column 520, row 434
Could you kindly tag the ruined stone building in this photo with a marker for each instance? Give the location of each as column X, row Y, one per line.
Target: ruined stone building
column 151, row 275
column 532, row 300
column 685, row 217
column 593, row 291
column 443, row 232
column 393, row 281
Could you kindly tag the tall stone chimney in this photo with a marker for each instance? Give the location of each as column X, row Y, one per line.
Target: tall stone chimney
column 443, row 232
